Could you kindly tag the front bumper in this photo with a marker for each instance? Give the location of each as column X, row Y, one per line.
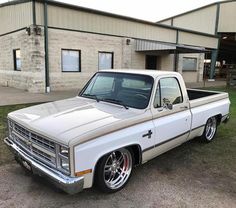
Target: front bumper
column 70, row 185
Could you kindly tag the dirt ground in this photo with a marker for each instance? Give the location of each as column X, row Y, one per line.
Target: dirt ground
column 183, row 177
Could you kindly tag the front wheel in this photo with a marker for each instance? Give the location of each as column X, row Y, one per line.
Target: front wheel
column 114, row 170
column 210, row 130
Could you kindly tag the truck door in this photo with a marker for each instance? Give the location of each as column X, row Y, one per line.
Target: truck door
column 171, row 115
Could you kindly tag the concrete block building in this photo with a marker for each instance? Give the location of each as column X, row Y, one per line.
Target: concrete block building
column 48, row 45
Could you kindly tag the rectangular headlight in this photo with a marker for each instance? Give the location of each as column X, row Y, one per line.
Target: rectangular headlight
column 64, row 151
column 63, row 156
column 65, row 164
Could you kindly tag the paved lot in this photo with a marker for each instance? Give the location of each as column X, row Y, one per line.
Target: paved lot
column 175, row 179
column 11, row 96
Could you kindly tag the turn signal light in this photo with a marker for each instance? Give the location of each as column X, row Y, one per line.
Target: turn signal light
column 83, row 172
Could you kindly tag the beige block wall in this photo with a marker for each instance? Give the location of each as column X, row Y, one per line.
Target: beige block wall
column 125, row 56
column 32, row 59
column 89, row 44
column 32, row 76
column 167, row 62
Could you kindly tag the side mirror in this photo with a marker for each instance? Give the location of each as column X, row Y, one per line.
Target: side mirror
column 167, row 104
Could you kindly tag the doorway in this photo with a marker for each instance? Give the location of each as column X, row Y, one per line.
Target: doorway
column 151, row 62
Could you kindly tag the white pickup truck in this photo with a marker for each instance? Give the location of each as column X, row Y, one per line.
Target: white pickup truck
column 120, row 119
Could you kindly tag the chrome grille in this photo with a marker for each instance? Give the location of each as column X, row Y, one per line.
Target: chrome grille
column 39, row 147
column 21, row 131
column 43, row 142
column 43, row 155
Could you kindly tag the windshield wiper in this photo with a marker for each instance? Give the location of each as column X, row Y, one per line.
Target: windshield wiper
column 91, row 96
column 119, row 102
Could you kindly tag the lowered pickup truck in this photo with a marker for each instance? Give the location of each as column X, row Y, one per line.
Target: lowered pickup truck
column 120, row 119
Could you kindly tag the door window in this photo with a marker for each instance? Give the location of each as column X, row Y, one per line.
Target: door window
column 168, row 92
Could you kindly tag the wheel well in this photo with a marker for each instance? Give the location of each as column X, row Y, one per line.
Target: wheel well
column 137, row 154
column 218, row 118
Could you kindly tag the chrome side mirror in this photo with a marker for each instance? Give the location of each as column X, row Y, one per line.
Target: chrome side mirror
column 168, row 106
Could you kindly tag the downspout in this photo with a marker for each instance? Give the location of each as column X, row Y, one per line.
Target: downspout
column 47, row 84
column 33, row 12
column 176, row 55
column 214, row 53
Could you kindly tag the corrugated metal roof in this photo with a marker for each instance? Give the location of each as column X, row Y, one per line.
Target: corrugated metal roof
column 145, row 45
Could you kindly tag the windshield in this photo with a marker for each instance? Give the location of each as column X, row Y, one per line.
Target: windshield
column 128, row 90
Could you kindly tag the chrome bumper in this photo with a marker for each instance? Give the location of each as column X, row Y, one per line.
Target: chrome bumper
column 70, row 185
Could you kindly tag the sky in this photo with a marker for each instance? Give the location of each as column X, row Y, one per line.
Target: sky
column 150, row 10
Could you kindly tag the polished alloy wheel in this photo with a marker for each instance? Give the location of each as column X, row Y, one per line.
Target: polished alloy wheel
column 210, row 130
column 117, row 169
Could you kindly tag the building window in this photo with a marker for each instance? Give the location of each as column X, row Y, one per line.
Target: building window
column 17, row 59
column 105, row 60
column 189, row 64
column 70, row 60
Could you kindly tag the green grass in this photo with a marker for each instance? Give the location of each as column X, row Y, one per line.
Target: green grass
column 5, row 155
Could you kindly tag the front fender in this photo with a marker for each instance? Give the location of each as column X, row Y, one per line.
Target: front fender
column 88, row 154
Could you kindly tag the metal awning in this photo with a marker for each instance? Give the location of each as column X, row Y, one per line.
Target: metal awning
column 146, row 45
column 190, row 49
column 155, row 46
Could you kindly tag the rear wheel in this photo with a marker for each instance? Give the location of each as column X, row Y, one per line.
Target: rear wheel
column 210, row 130
column 114, row 170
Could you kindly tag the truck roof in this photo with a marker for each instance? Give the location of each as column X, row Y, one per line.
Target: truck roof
column 153, row 73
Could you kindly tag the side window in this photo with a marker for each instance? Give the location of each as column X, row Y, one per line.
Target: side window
column 157, row 98
column 168, row 91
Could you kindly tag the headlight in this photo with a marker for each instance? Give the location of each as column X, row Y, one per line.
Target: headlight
column 64, row 158
column 65, row 164
column 64, row 151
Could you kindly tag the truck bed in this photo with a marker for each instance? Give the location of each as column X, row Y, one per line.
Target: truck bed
column 196, row 94
column 201, row 97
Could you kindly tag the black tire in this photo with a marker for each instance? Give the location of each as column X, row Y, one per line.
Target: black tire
column 210, row 130
column 116, row 166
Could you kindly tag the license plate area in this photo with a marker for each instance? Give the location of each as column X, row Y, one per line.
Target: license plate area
column 26, row 165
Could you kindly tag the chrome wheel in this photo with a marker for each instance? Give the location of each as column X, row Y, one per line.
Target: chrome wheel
column 117, row 168
column 210, row 128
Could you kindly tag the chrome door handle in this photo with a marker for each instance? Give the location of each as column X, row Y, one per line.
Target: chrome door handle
column 184, row 107
column 149, row 134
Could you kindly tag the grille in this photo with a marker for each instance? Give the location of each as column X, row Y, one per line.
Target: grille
column 37, row 146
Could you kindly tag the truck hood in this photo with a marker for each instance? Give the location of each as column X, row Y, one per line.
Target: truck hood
column 75, row 120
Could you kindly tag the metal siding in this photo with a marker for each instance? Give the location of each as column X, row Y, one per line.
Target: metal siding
column 227, row 17
column 201, row 20
column 166, row 22
column 90, row 22
column 14, row 17
column 197, row 40
column 39, row 13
